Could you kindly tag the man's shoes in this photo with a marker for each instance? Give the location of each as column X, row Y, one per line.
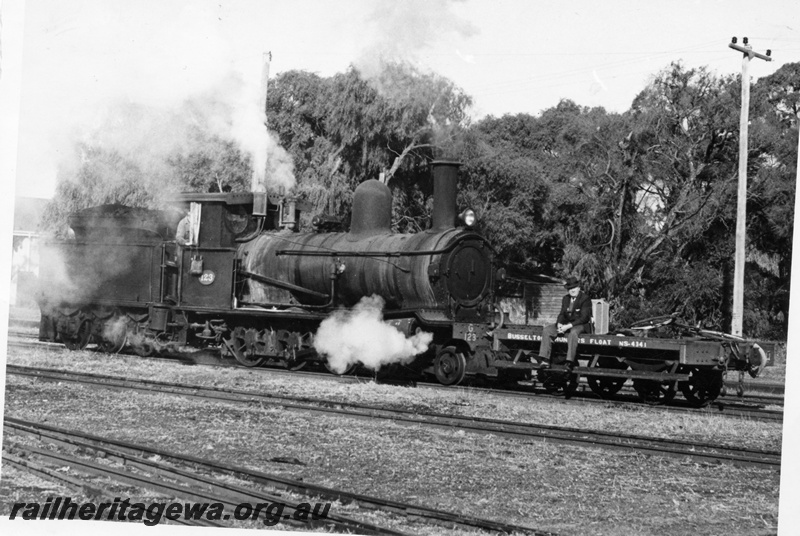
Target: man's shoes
column 544, row 362
column 569, row 365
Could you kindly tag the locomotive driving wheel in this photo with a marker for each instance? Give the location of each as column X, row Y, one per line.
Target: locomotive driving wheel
column 80, row 338
column 654, row 392
column 112, row 344
column 703, row 387
column 115, row 334
column 239, row 347
column 450, row 366
column 603, row 386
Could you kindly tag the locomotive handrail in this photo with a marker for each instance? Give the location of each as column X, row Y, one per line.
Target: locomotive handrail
column 362, row 253
column 335, row 253
column 283, row 284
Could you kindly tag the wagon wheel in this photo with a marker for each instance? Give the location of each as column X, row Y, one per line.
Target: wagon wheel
column 555, row 381
column 571, row 385
column 654, row 392
column 450, row 366
column 603, row 386
column 551, row 380
column 79, row 339
column 703, row 387
column 238, row 347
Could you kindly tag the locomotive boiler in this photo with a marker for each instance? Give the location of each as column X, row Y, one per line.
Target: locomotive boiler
column 445, row 269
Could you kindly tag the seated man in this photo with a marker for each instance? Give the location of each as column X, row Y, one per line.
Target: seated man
column 574, row 318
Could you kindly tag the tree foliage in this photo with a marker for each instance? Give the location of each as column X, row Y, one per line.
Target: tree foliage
column 642, row 205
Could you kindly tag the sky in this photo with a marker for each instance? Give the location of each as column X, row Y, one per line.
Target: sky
column 81, row 56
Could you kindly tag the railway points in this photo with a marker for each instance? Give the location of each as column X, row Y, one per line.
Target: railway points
column 141, row 457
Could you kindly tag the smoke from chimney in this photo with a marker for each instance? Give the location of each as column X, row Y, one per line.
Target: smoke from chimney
column 400, row 32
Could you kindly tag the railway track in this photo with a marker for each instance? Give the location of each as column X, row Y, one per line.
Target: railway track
column 22, row 459
column 748, row 407
column 187, row 470
column 702, row 452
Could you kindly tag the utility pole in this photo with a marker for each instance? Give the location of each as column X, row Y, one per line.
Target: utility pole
column 741, row 203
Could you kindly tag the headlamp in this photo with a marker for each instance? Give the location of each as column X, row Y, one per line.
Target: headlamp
column 468, row 217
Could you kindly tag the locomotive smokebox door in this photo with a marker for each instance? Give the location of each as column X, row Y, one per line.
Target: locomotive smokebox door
column 468, row 273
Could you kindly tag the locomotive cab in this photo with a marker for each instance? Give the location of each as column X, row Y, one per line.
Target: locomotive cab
column 200, row 272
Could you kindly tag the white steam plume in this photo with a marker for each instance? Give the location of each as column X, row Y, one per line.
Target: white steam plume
column 280, row 166
column 359, row 335
column 272, row 164
column 401, row 32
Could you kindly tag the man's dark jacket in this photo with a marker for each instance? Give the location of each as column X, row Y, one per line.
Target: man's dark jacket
column 579, row 313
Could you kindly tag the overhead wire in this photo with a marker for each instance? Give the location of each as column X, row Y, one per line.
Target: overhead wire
column 541, row 82
column 640, row 57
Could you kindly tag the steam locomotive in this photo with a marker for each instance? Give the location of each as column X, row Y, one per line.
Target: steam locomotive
column 249, row 283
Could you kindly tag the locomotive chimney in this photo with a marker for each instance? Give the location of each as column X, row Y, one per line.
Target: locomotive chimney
column 445, row 187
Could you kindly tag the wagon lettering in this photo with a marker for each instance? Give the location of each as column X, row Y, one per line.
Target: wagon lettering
column 633, row 344
column 522, row 337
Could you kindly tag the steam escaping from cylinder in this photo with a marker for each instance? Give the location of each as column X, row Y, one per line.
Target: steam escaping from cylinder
column 359, row 335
